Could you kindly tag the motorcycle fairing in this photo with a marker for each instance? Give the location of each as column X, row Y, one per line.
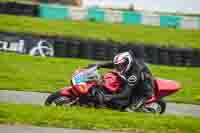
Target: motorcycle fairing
column 165, row 87
column 112, row 82
column 77, row 90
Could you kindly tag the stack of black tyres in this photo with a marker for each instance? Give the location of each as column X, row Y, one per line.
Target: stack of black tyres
column 2, row 7
column 18, row 9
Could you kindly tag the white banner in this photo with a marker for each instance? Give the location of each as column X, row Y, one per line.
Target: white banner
column 34, row 47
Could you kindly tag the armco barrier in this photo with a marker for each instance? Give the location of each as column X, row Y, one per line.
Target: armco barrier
column 95, row 49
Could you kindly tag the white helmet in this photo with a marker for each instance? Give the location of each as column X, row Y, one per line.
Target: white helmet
column 123, row 62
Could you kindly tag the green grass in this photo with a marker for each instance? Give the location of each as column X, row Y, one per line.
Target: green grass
column 20, row 72
column 83, row 118
column 102, row 31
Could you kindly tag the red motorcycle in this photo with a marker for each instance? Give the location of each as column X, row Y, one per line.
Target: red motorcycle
column 87, row 84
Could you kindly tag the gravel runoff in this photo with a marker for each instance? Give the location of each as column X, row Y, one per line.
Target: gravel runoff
column 21, row 97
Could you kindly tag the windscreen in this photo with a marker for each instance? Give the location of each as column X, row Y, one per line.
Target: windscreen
column 86, row 75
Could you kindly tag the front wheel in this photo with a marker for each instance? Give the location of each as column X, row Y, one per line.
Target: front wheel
column 58, row 100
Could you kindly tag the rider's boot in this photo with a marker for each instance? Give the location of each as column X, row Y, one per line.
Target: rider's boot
column 138, row 106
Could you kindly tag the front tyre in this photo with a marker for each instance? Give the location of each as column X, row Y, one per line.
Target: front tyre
column 58, row 100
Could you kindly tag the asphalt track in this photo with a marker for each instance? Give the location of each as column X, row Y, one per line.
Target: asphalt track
column 20, row 97
column 28, row 129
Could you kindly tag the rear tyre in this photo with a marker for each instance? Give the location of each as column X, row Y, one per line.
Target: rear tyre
column 58, row 100
column 158, row 107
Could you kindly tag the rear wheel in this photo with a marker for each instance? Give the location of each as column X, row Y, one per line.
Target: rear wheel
column 158, row 107
column 56, row 99
column 161, row 106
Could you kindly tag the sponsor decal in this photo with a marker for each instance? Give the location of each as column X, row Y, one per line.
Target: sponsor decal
column 12, row 46
column 132, row 80
column 39, row 48
column 43, row 48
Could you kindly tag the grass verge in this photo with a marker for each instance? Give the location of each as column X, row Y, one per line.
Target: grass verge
column 84, row 118
column 22, row 72
column 102, row 31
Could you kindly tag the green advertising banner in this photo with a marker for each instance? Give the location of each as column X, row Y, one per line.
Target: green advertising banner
column 131, row 17
column 53, row 11
column 170, row 21
column 95, row 14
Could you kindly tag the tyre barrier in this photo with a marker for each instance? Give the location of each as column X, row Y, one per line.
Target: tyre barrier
column 18, row 9
column 96, row 49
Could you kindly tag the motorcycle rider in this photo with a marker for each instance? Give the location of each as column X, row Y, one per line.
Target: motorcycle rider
column 137, row 81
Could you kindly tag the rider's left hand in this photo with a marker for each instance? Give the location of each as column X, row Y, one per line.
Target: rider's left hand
column 107, row 98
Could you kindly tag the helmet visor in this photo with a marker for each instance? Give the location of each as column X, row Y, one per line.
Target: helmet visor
column 121, row 67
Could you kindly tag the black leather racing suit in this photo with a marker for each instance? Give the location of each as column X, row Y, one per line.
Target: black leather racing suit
column 138, row 84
